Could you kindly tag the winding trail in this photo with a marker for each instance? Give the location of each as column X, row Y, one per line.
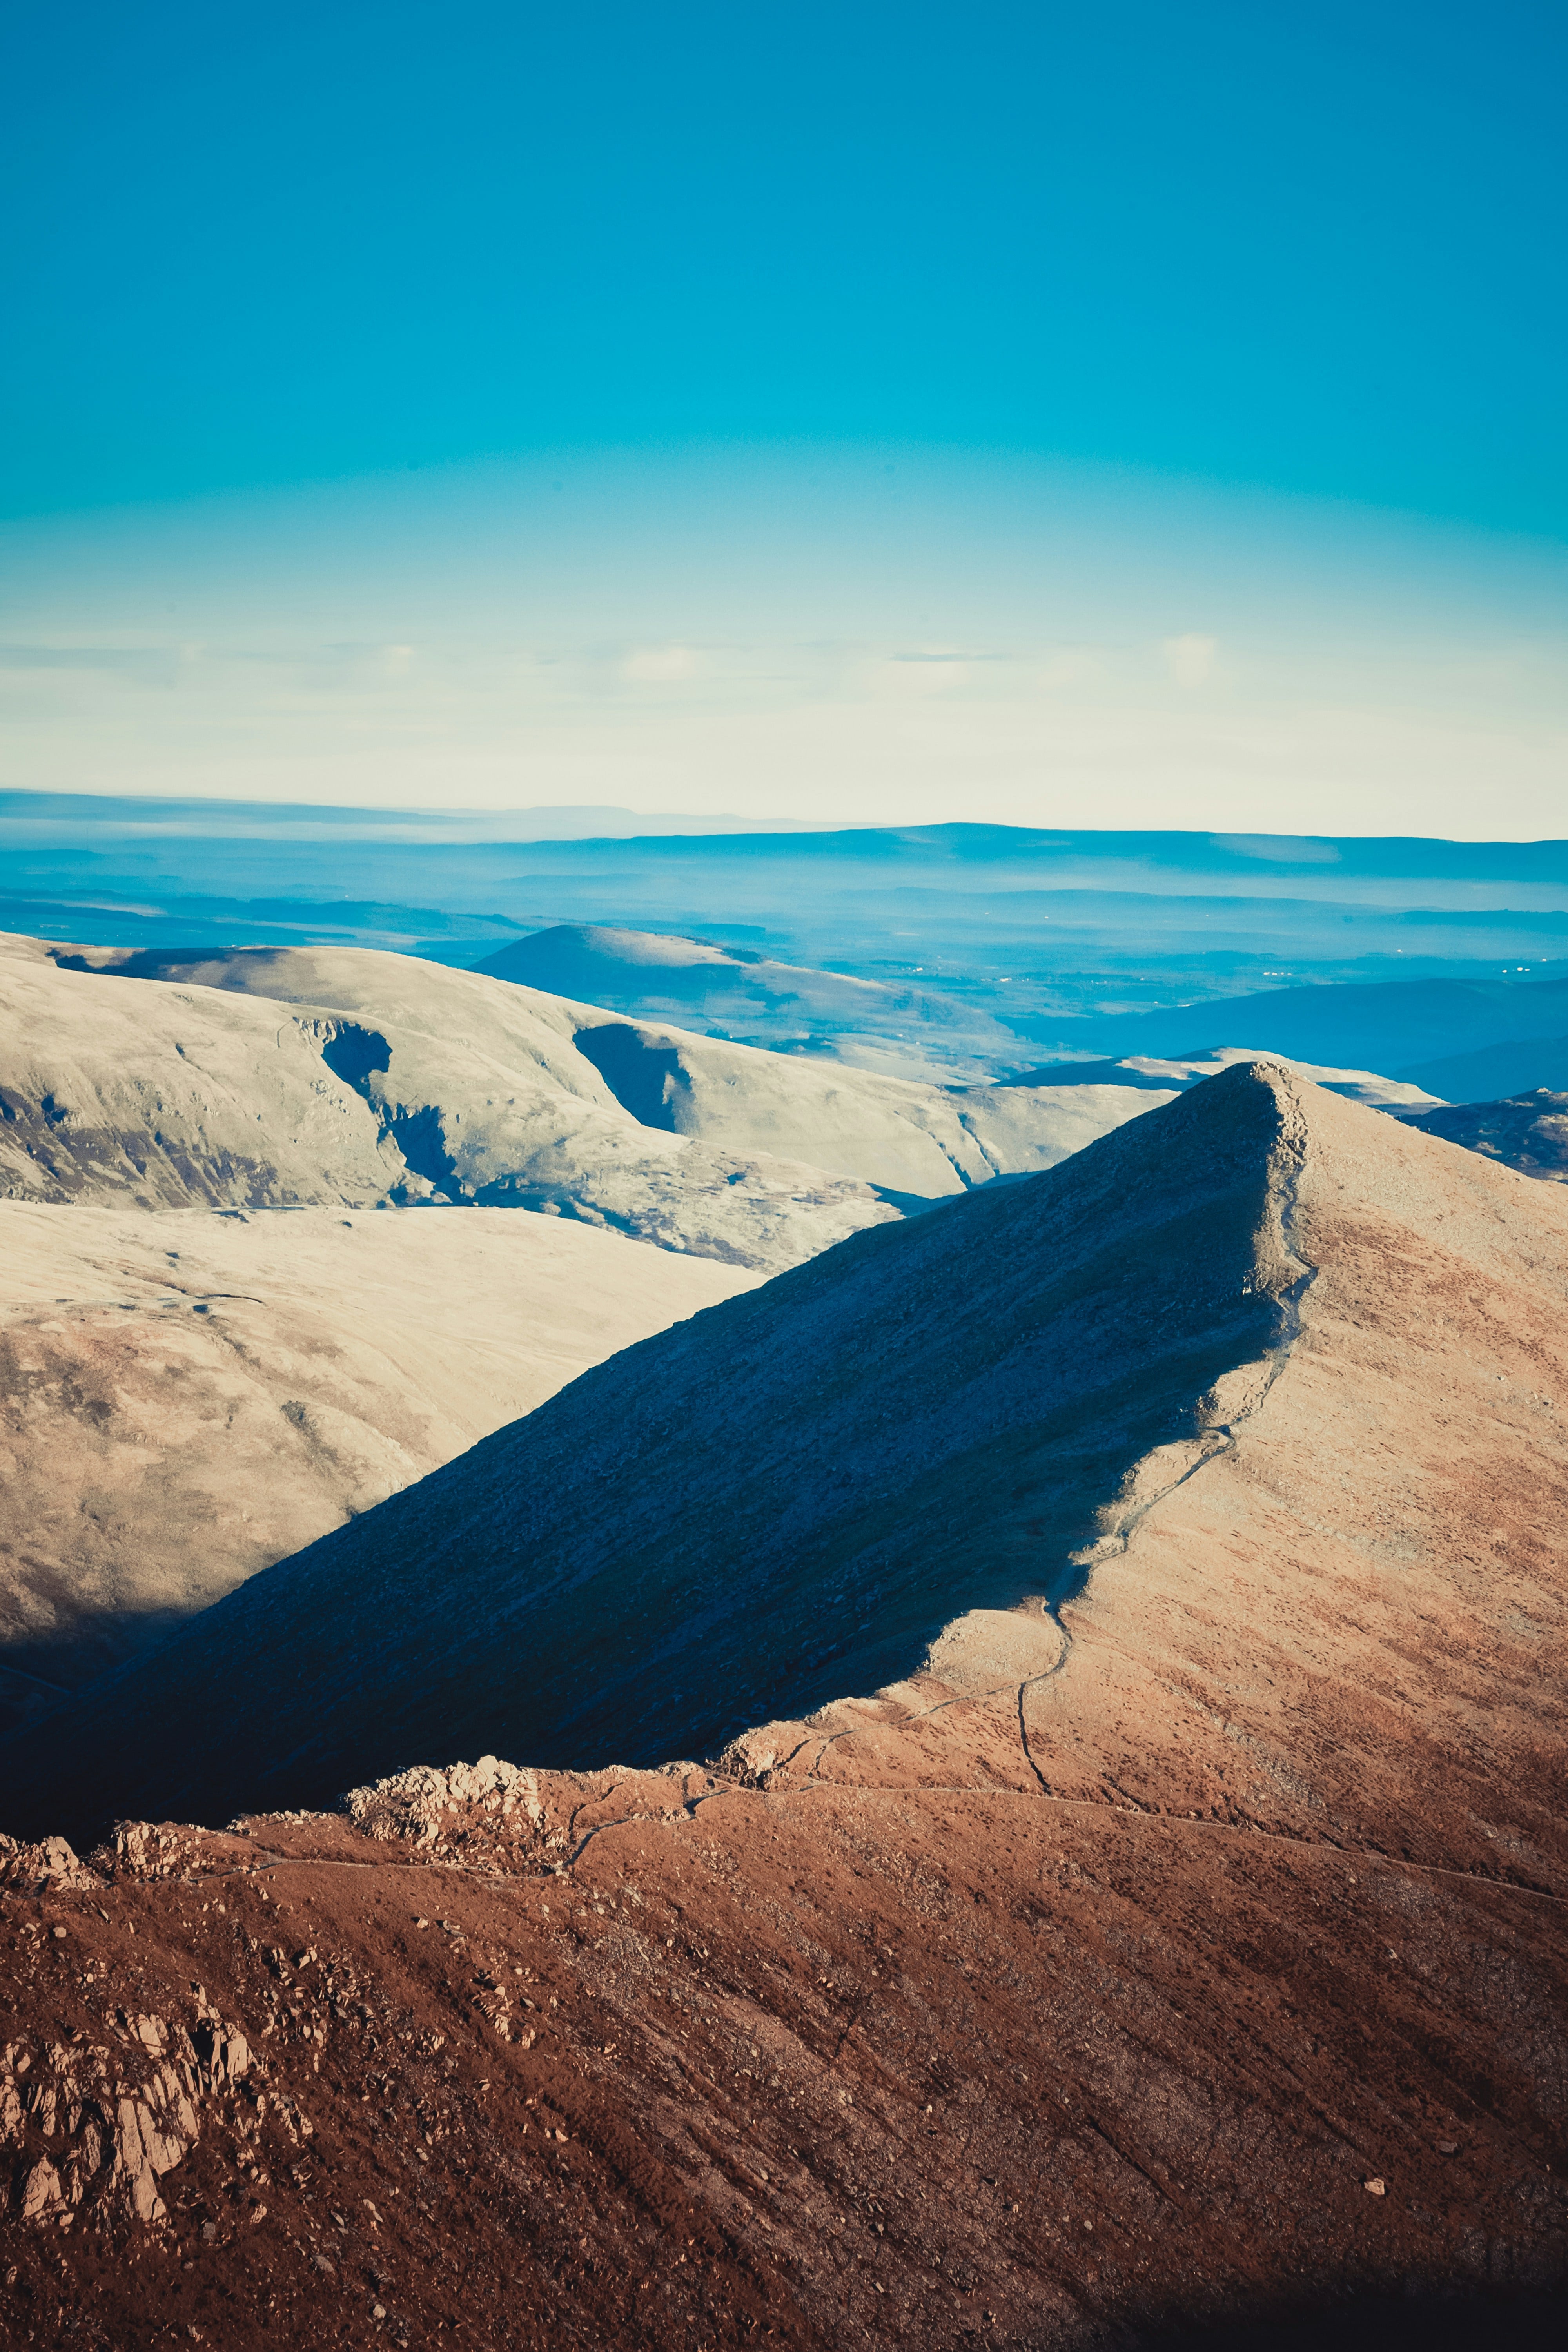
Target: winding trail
column 1221, row 1439
column 268, row 1859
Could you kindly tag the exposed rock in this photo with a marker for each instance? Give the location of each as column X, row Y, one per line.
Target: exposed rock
column 33, row 1869
column 422, row 1802
column 42, row 2194
column 118, row 2116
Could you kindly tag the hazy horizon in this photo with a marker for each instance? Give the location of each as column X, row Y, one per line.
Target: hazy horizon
column 1126, row 423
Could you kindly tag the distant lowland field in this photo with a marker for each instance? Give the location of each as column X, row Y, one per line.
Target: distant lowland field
column 949, row 951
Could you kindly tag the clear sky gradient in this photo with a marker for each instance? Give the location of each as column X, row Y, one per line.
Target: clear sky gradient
column 1178, row 392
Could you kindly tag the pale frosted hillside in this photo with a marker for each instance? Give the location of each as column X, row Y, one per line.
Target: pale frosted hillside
column 187, row 1397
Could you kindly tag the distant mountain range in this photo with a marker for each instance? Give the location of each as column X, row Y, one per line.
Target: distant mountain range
column 995, row 945
column 1400, row 1026
column 1515, row 1066
column 732, row 991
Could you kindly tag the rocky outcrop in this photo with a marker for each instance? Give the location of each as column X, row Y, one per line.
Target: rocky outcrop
column 427, row 1803
column 91, row 2131
column 33, row 1869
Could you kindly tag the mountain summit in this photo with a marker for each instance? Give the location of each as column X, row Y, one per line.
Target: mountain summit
column 1258, row 1298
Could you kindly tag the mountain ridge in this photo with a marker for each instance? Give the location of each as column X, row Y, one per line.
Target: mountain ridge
column 187, row 1395
column 962, row 1414
column 866, row 1360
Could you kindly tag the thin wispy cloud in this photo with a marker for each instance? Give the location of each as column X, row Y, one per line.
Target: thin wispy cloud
column 125, row 661
column 996, row 641
column 661, row 665
column 1191, row 659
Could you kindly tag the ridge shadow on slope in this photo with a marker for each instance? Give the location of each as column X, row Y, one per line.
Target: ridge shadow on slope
column 1470, row 2317
column 641, row 1077
column 777, row 1503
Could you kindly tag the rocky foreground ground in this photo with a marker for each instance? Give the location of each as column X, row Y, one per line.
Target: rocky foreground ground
column 893, row 2045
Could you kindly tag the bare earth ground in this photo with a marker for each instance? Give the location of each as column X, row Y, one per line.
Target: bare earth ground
column 819, row 2064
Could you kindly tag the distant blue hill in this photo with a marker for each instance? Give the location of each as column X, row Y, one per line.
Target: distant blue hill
column 1519, row 1065
column 1389, row 1026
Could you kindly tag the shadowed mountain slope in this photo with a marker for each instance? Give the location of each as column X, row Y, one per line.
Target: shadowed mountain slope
column 784, row 1498
column 188, row 1396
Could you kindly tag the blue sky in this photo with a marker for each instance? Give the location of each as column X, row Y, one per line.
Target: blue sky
column 1296, row 277
column 1317, row 249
